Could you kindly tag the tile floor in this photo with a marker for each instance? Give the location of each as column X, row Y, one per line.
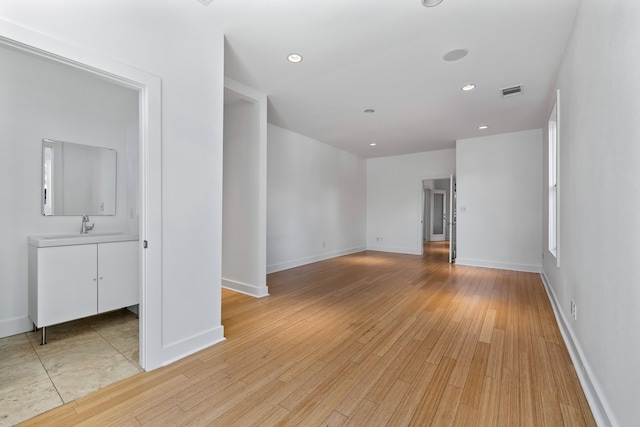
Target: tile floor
column 80, row 357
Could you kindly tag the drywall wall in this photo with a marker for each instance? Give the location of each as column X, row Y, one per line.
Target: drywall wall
column 395, row 198
column 599, row 189
column 182, row 44
column 316, row 200
column 243, row 262
column 499, row 190
column 42, row 99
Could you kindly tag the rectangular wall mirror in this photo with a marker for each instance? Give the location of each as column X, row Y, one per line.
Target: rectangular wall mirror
column 77, row 179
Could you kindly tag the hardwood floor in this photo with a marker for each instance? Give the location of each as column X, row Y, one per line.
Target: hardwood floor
column 367, row 339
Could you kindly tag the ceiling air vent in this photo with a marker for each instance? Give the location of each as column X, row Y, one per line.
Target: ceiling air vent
column 510, row 91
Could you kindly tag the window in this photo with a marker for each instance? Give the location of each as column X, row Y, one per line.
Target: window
column 553, row 179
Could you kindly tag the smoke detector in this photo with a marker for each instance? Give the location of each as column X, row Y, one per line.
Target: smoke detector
column 205, row 2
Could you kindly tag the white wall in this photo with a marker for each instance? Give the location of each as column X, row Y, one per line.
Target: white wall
column 499, row 190
column 599, row 204
column 316, row 204
column 42, row 99
column 394, row 198
column 181, row 43
column 242, row 238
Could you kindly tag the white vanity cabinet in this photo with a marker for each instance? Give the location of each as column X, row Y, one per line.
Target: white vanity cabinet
column 71, row 281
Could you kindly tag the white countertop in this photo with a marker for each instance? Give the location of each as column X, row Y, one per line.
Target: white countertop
column 50, row 240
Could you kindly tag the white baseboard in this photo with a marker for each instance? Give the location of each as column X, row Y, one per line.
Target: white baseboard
column 15, row 326
column 244, row 288
column 528, row 268
column 172, row 352
column 309, row 260
column 406, row 251
column 593, row 392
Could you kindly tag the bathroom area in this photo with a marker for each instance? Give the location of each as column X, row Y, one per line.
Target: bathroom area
column 69, row 221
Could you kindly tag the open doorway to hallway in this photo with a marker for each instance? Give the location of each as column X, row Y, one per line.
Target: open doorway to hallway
column 438, row 213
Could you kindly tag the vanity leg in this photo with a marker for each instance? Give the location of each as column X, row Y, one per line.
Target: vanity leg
column 35, row 328
column 44, row 336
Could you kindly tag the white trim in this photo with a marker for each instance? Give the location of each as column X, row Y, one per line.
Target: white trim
column 183, row 348
column 15, row 326
column 245, row 288
column 310, row 260
column 528, row 268
column 395, row 250
column 599, row 406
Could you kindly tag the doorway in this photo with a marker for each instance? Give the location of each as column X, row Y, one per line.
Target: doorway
column 148, row 218
column 117, row 344
column 438, row 212
column 244, row 207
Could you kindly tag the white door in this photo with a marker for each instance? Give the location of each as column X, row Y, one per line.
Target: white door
column 438, row 215
column 452, row 219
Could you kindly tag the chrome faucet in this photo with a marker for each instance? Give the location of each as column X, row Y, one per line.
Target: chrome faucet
column 85, row 225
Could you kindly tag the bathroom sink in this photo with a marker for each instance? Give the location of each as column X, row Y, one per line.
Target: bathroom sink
column 79, row 239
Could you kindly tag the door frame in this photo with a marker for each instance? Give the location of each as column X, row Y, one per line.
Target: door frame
column 148, row 87
column 453, row 218
column 258, row 288
column 420, row 196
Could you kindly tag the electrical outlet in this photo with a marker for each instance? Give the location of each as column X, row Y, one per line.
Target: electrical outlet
column 324, row 244
column 574, row 310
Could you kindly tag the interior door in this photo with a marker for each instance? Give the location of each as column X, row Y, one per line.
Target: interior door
column 452, row 219
column 438, row 215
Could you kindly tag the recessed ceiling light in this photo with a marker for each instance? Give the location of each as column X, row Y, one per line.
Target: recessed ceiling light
column 455, row 55
column 483, row 127
column 369, row 111
column 295, row 58
column 431, row 3
column 470, row 86
column 373, row 144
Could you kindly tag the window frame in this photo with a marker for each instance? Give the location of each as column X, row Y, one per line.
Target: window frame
column 553, row 242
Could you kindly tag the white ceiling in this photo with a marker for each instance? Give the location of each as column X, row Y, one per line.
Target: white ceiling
column 387, row 55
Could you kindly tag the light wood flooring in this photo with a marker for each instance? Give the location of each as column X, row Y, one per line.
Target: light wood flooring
column 367, row 339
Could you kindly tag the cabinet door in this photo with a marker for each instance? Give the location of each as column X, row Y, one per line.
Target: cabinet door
column 118, row 266
column 66, row 283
